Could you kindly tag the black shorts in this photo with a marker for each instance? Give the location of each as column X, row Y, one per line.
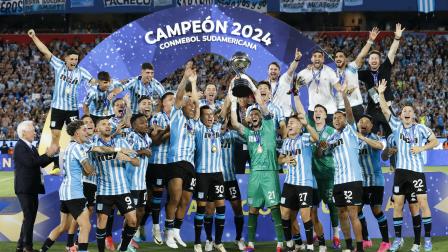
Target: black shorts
column 295, row 197
column 59, row 117
column 411, row 198
column 348, row 194
column 155, row 175
column 209, row 186
column 97, row 118
column 232, row 190
column 90, row 193
column 316, row 198
column 373, row 195
column 139, row 198
column 123, row 202
column 408, row 182
column 75, row 207
column 183, row 170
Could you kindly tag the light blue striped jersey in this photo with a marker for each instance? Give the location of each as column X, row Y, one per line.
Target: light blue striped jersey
column 137, row 174
column 111, row 171
column 160, row 152
column 228, row 140
column 406, row 138
column 114, row 121
column 97, row 100
column 276, row 113
column 301, row 149
column 71, row 186
column 88, row 146
column 218, row 104
column 182, row 137
column 208, row 156
column 65, row 94
column 370, row 161
column 345, row 148
column 137, row 90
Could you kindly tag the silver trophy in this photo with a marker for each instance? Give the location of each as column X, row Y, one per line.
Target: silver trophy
column 239, row 62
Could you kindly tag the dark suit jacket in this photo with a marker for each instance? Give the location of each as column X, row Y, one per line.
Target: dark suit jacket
column 27, row 174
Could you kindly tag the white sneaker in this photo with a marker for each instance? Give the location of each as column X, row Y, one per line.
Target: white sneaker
column 346, row 250
column 220, row 247
column 240, row 244
column 170, row 242
column 197, row 248
column 322, row 248
column 208, row 246
column 178, row 239
column 157, row 235
column 415, row 248
column 300, row 247
column 310, row 247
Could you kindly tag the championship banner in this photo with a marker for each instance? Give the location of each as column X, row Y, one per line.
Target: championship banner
column 31, row 6
column 11, row 7
column 127, row 3
column 293, row 6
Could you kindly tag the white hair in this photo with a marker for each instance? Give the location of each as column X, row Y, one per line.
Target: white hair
column 23, row 126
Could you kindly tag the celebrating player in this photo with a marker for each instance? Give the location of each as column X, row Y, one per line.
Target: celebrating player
column 68, row 76
column 412, row 140
column 210, row 98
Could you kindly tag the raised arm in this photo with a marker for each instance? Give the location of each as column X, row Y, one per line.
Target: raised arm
column 179, row 100
column 299, row 106
column 42, row 48
column 194, row 94
column 394, row 47
column 365, row 50
column 307, row 126
column 383, row 103
column 263, row 108
column 233, row 116
column 347, row 106
column 293, row 66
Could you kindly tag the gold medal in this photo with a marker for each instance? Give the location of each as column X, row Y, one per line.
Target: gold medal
column 259, row 149
column 214, row 149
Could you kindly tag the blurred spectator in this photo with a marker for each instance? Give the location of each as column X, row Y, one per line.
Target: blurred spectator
column 4, row 149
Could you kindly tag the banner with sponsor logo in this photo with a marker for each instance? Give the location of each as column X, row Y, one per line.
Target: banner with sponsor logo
column 161, row 3
column 38, row 6
column 353, row 2
column 82, row 3
column 126, row 3
column 11, row 7
column 255, row 5
column 294, row 6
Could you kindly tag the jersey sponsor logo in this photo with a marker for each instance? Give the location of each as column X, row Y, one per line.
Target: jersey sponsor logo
column 408, row 139
column 294, row 152
column 105, row 157
column 69, row 80
column 211, row 134
column 338, row 142
column 363, row 152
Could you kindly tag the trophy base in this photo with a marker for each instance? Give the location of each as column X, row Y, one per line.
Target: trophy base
column 241, row 88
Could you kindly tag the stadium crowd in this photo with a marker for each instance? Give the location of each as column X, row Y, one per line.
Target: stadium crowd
column 419, row 76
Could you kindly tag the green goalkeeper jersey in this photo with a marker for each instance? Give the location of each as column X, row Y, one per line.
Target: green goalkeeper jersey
column 261, row 145
column 323, row 167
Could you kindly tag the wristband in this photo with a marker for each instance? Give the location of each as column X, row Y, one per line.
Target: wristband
column 296, row 60
column 397, row 38
column 117, row 149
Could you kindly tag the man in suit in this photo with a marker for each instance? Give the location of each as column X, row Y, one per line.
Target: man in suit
column 28, row 180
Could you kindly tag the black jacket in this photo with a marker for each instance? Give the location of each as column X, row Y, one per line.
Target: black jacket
column 27, row 164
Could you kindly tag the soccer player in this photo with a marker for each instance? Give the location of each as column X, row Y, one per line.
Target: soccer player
column 73, row 203
column 323, row 171
column 297, row 194
column 145, row 107
column 317, row 225
column 156, row 173
column 370, row 147
column 96, row 103
column 139, row 139
column 347, row 191
column 120, row 122
column 113, row 189
column 263, row 185
column 67, row 76
column 277, row 113
column 210, row 98
column 348, row 74
column 143, row 85
column 410, row 138
column 181, row 178
column 321, row 80
column 209, row 178
column 280, row 85
column 371, row 78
